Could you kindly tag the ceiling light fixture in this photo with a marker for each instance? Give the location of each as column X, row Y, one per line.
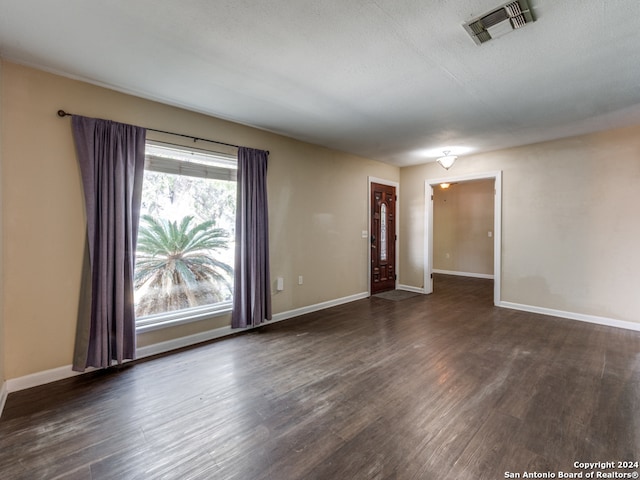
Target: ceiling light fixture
column 447, row 161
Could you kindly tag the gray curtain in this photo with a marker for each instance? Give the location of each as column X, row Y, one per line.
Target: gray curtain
column 111, row 157
column 252, row 291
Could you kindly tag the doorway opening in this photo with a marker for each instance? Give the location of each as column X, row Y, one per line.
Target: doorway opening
column 495, row 232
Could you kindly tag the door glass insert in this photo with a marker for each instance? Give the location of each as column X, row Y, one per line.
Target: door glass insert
column 383, row 232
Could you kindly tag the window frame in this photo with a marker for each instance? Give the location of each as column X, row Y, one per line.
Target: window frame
column 157, row 321
column 223, row 167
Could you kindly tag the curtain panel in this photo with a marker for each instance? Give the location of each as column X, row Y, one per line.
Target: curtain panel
column 111, row 158
column 252, row 290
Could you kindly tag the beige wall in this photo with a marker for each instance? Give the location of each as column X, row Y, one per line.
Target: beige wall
column 462, row 219
column 317, row 199
column 569, row 218
column 2, row 344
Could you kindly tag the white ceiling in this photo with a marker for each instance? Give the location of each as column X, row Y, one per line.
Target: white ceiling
column 385, row 79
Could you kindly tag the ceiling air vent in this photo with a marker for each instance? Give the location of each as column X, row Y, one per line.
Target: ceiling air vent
column 499, row 21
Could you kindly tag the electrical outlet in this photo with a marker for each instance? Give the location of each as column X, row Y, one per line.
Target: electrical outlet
column 300, row 280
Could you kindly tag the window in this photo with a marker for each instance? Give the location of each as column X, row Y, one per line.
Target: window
column 185, row 246
column 383, row 232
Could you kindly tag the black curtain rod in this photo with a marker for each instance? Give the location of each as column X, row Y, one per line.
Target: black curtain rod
column 62, row 113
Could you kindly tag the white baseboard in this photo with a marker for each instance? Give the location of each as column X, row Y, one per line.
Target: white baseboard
column 409, row 288
column 278, row 317
column 464, row 274
column 60, row 373
column 181, row 342
column 609, row 322
column 3, row 396
column 40, row 378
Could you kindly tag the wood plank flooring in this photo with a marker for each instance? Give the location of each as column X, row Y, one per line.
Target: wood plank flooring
column 432, row 387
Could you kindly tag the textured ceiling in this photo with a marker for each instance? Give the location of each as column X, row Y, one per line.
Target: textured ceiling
column 385, row 79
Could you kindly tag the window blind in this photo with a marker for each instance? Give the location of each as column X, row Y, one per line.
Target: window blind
column 190, row 162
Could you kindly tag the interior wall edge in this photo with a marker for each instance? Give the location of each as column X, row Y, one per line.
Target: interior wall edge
column 3, row 396
column 3, row 389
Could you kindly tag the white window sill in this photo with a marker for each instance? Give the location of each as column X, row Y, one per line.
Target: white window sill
column 159, row 321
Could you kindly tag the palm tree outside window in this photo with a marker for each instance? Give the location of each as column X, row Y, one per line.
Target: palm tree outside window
column 185, row 247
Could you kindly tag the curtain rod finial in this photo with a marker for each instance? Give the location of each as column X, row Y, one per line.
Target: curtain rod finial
column 62, row 113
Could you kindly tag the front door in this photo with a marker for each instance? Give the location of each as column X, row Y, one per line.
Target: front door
column 383, row 238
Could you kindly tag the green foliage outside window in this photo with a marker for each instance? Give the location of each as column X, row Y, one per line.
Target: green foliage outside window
column 184, row 252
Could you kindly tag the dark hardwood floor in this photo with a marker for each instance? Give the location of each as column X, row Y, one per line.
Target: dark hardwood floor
column 432, row 387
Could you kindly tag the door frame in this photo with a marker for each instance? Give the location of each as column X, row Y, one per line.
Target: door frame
column 390, row 183
column 497, row 228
